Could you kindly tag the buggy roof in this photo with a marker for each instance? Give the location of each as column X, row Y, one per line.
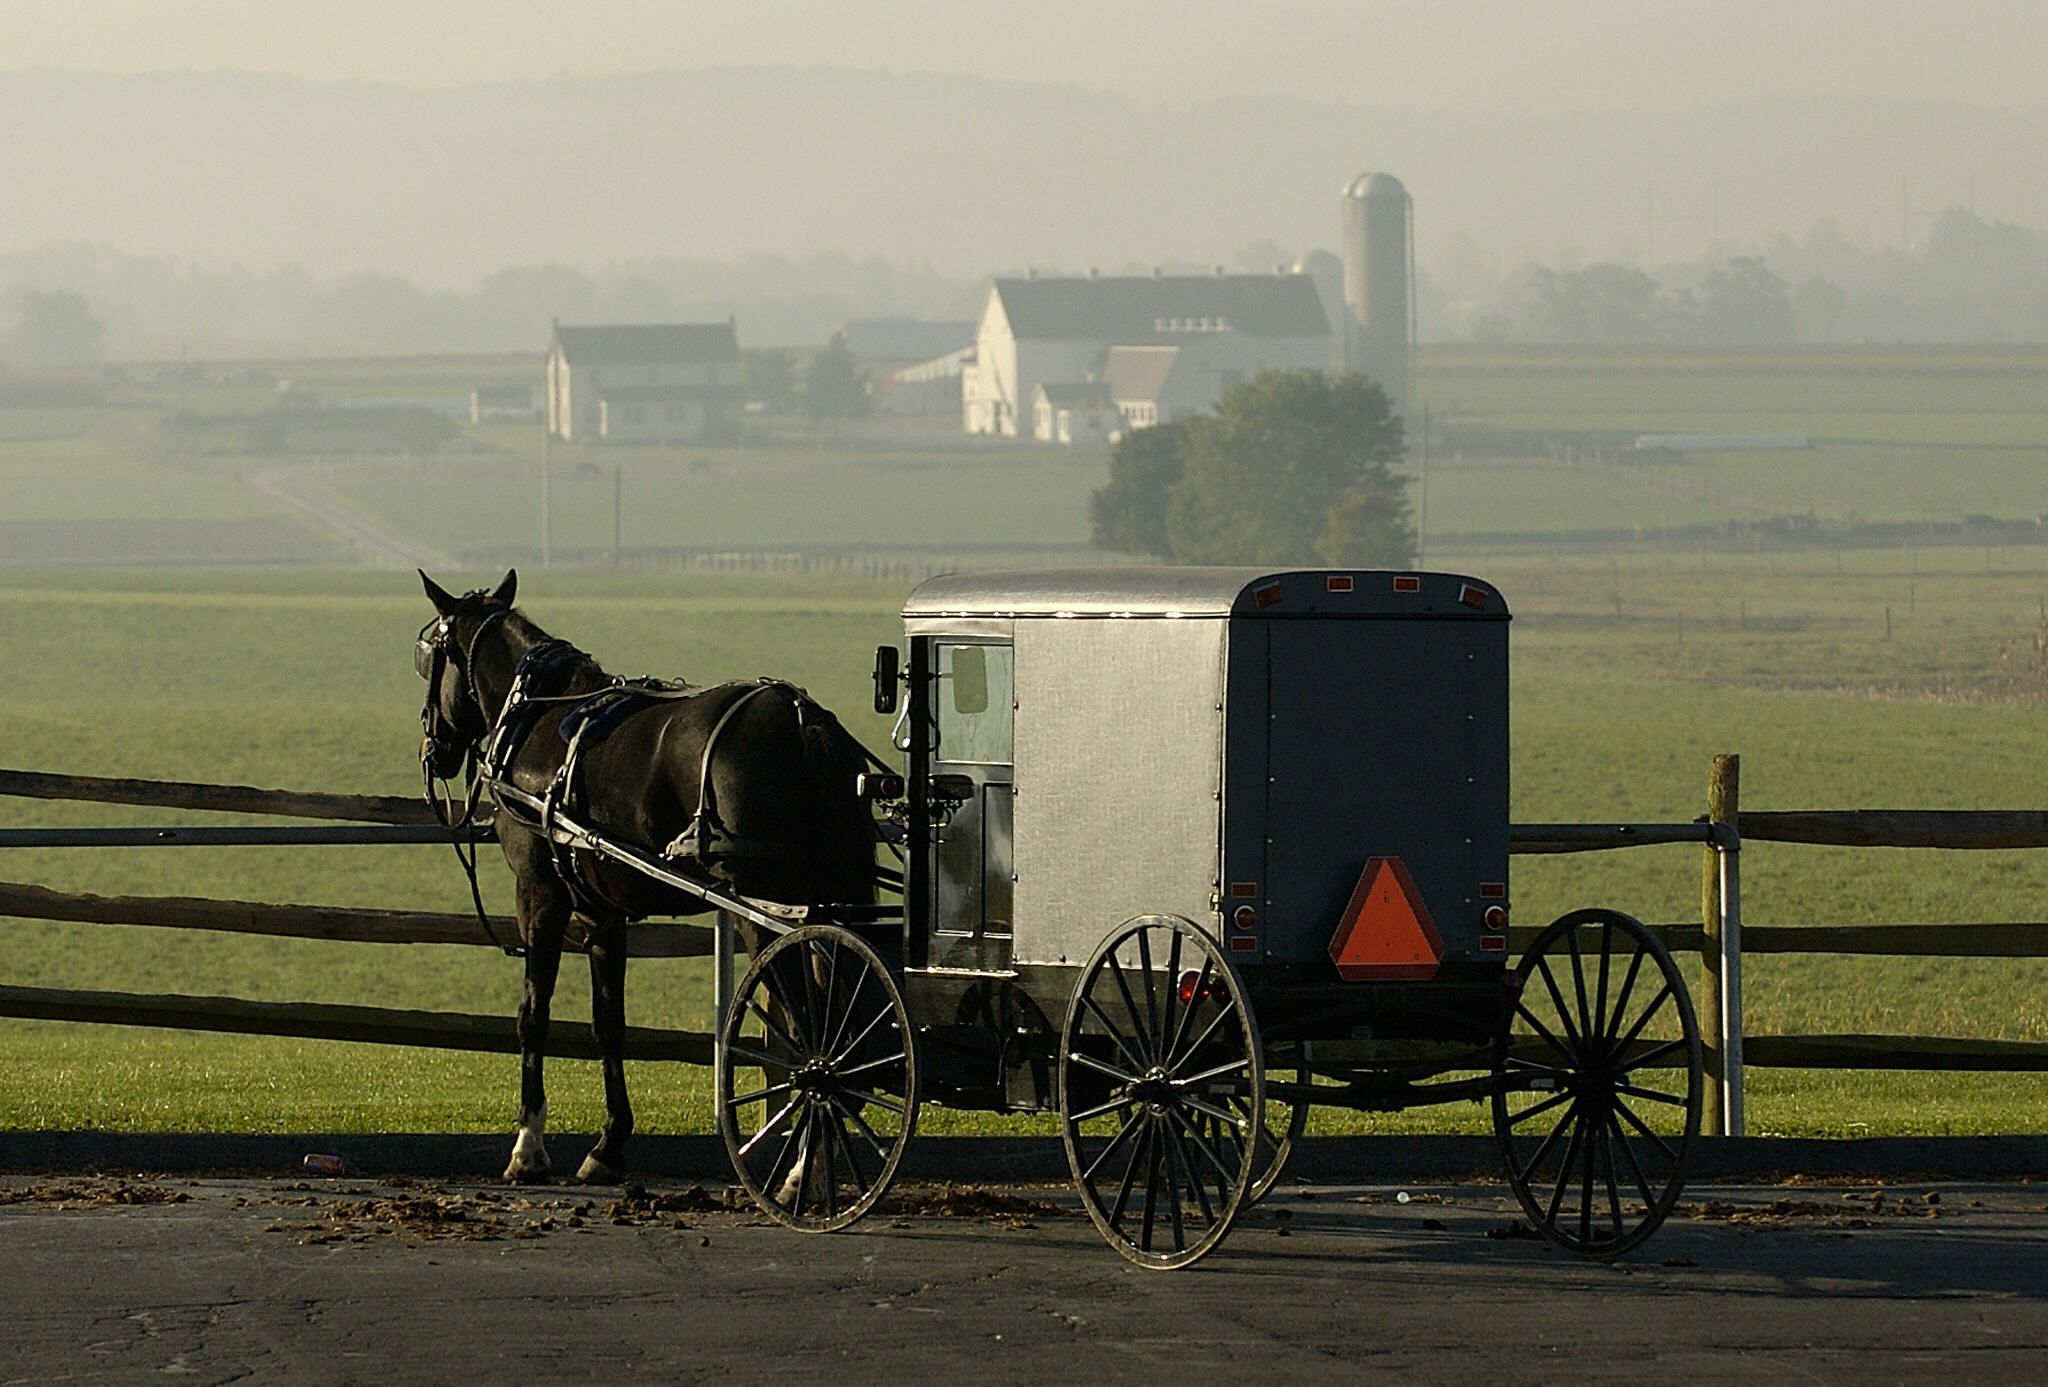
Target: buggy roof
column 1205, row 592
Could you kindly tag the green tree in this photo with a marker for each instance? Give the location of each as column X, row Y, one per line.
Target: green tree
column 1129, row 514
column 771, row 378
column 834, row 387
column 55, row 328
column 1292, row 468
column 1744, row 304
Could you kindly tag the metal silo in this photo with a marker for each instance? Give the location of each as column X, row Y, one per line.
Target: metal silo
column 1377, row 216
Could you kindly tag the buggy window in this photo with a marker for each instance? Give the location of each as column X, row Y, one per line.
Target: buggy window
column 974, row 700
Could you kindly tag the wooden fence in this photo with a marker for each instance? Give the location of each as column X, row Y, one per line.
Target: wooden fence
column 1720, row 939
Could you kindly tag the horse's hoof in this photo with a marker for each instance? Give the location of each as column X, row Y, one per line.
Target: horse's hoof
column 528, row 1172
column 596, row 1172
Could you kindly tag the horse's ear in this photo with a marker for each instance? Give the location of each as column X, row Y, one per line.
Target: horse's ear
column 506, row 589
column 438, row 595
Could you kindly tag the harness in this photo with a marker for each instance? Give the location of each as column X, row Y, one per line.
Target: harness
column 591, row 718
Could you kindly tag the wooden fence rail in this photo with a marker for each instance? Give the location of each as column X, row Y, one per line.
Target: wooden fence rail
column 322, row 1021
column 232, row 799
column 352, row 924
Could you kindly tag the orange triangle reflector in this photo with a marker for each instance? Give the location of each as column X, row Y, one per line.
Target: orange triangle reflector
column 1386, row 932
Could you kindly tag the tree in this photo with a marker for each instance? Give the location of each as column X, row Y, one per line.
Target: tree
column 1744, row 304
column 1291, row 468
column 1129, row 514
column 56, row 328
column 770, row 374
column 1819, row 304
column 834, row 387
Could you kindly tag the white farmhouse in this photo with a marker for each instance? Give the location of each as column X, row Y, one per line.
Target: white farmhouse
column 1039, row 330
column 1070, row 413
column 645, row 383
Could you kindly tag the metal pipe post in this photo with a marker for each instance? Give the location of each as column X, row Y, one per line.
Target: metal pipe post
column 721, row 994
column 1729, row 1001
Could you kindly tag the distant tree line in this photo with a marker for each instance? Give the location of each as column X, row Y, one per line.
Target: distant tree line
column 1968, row 280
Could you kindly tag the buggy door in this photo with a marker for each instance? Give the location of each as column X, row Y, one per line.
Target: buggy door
column 973, row 722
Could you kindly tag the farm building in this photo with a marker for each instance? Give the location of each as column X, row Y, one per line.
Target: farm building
column 1035, row 331
column 499, row 403
column 912, row 364
column 645, row 383
column 1067, row 413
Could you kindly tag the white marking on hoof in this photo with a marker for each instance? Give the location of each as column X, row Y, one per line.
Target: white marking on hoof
column 530, row 1152
column 595, row 1172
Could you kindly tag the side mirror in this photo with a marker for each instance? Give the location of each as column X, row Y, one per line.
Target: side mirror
column 885, row 678
column 970, row 679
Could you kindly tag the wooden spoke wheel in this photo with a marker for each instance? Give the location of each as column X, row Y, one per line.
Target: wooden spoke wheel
column 1161, row 1077
column 817, row 1078
column 1600, row 1078
column 1281, row 1124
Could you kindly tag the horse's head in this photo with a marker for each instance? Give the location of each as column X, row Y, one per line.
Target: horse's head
column 454, row 721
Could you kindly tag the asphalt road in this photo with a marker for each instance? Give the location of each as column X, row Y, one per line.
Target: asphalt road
column 409, row 1280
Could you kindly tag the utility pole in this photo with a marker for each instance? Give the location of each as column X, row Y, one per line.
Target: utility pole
column 1422, row 518
column 547, row 522
column 618, row 511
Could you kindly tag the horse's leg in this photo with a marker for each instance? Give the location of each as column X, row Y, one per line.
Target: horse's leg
column 544, row 916
column 608, row 1019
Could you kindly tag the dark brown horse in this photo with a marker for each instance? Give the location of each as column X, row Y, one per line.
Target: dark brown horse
column 771, row 812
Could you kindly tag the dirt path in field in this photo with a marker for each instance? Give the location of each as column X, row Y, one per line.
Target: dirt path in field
column 285, row 482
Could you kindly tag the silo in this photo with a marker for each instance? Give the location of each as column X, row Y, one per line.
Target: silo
column 1376, row 281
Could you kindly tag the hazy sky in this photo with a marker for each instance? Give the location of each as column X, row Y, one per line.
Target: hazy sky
column 1475, row 55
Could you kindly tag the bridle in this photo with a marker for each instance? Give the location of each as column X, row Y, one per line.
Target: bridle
column 433, row 651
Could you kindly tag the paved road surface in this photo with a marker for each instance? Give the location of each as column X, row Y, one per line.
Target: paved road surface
column 345, row 1281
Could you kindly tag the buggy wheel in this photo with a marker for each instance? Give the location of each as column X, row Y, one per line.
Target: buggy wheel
column 1161, row 1081
column 1600, row 1076
column 1281, row 1123
column 817, row 1078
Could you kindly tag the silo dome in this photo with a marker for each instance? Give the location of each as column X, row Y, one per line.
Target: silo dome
column 1375, row 185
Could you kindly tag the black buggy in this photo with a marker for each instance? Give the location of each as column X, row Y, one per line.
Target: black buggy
column 1187, row 853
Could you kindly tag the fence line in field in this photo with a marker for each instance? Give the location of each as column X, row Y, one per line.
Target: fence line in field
column 1720, row 939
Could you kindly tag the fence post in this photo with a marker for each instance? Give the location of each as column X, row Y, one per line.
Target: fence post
column 1724, row 780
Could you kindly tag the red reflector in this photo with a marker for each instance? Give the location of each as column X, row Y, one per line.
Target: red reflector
column 1472, row 597
column 1192, row 989
column 1267, row 595
column 1244, row 918
column 1407, row 585
column 1496, row 917
column 1244, row 889
column 1493, row 943
column 1493, row 890
column 1337, row 583
column 1244, row 946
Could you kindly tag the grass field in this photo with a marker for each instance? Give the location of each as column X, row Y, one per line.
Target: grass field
column 1847, row 674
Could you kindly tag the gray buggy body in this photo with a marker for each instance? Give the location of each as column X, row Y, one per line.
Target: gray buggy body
column 1231, row 746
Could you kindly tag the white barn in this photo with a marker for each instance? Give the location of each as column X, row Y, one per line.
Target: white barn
column 646, row 383
column 1036, row 331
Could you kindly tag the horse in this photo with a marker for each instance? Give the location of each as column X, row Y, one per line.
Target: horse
column 751, row 786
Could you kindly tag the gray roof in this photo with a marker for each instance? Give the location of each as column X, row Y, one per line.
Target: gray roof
column 1202, row 592
column 1138, row 373
column 1132, row 309
column 906, row 339
column 649, row 343
column 1067, row 394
